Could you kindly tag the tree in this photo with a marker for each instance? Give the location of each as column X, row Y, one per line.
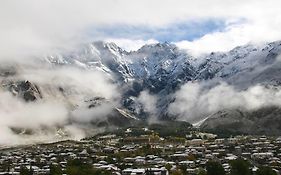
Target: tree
column 191, row 157
column 205, row 137
column 24, row 171
column 214, row 168
column 176, row 172
column 77, row 167
column 168, row 167
column 265, row 170
column 183, row 168
column 6, row 166
column 55, row 170
column 240, row 167
column 201, row 171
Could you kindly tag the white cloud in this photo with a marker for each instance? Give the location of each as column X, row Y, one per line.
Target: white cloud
column 16, row 113
column 84, row 114
column 148, row 101
column 192, row 101
column 234, row 35
column 77, row 81
column 32, row 27
column 30, row 115
column 64, row 91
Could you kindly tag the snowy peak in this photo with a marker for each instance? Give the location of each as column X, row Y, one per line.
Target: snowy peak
column 162, row 63
column 158, row 47
column 242, row 66
column 152, row 60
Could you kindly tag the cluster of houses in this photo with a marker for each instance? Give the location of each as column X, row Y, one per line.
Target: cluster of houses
column 143, row 156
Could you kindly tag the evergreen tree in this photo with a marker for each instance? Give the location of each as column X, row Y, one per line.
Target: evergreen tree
column 183, row 169
column 24, row 171
column 176, row 172
column 265, row 170
column 214, row 168
column 240, row 167
column 55, row 170
column 201, row 171
column 77, row 167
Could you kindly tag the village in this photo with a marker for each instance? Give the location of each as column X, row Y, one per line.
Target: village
column 143, row 154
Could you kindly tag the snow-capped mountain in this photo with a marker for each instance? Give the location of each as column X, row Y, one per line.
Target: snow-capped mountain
column 164, row 62
column 157, row 61
column 244, row 65
column 161, row 69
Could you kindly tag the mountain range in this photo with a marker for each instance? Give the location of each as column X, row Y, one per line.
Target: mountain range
column 161, row 70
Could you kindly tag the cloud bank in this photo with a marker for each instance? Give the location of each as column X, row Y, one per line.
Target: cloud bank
column 63, row 112
column 193, row 102
column 148, row 101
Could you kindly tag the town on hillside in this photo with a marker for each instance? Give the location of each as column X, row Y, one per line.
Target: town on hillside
column 142, row 151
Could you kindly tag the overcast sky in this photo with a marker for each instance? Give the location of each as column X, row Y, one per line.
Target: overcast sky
column 35, row 27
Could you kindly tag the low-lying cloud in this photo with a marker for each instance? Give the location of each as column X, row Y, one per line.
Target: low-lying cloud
column 148, row 101
column 64, row 107
column 74, row 80
column 15, row 112
column 193, row 102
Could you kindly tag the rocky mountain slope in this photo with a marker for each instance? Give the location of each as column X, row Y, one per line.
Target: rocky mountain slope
column 235, row 121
